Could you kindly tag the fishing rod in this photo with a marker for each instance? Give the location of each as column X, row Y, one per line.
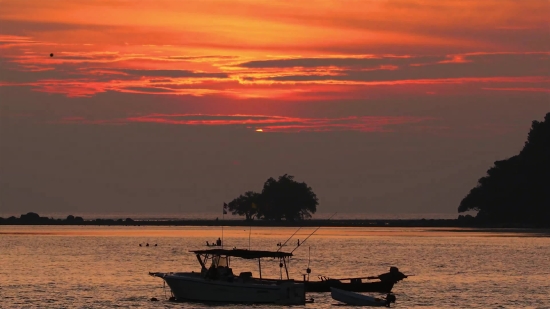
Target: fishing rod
column 312, row 233
column 280, row 247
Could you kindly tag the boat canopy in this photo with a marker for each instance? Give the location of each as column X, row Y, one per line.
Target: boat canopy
column 245, row 254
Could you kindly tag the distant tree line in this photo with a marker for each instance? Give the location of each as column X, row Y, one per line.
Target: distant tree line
column 35, row 219
column 32, row 218
column 280, row 199
column 516, row 190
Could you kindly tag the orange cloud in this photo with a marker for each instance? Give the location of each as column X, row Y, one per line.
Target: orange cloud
column 259, row 49
column 519, row 89
column 87, row 73
column 265, row 123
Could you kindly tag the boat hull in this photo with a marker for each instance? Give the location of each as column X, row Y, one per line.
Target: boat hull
column 193, row 287
column 324, row 286
column 356, row 299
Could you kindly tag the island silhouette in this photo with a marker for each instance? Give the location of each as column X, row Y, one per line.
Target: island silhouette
column 516, row 191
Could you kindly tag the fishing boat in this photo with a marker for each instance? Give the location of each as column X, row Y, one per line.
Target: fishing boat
column 356, row 299
column 356, row 284
column 348, row 284
column 384, row 285
column 217, row 283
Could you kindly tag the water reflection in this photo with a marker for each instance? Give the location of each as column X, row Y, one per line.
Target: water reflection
column 103, row 267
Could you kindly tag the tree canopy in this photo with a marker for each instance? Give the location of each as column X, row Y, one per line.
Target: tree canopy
column 282, row 198
column 245, row 205
column 516, row 190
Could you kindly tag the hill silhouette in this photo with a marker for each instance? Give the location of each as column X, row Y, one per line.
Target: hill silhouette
column 516, row 190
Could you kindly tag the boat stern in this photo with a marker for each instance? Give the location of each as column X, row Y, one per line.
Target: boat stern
column 292, row 293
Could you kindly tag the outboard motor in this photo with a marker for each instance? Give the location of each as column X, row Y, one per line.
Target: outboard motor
column 390, row 298
column 394, row 275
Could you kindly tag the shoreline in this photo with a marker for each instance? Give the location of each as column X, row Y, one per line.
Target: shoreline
column 427, row 223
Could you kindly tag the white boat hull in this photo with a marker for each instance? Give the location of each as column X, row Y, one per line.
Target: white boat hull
column 356, row 299
column 194, row 287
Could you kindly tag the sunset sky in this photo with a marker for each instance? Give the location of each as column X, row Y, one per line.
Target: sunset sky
column 385, row 108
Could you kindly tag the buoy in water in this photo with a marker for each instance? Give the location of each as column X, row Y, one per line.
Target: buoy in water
column 154, row 299
column 51, row 55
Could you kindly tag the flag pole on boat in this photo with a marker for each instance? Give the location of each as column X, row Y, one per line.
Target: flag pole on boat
column 223, row 218
column 253, row 206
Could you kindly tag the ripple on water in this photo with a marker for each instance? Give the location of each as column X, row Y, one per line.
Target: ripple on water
column 98, row 267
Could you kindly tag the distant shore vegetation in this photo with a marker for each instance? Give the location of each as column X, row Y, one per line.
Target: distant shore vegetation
column 281, row 199
column 516, row 190
column 32, row 218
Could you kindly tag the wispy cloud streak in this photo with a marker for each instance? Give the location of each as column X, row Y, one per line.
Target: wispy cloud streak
column 256, row 50
column 267, row 123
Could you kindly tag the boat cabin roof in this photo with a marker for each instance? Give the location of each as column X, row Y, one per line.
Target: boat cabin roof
column 243, row 253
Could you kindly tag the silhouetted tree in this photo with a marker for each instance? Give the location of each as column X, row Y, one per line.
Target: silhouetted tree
column 245, row 205
column 516, row 190
column 287, row 199
column 70, row 218
column 283, row 198
column 30, row 216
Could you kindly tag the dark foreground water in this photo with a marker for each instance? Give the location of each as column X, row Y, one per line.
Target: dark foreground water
column 104, row 267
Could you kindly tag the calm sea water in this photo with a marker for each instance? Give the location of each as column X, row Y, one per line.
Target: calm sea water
column 104, row 267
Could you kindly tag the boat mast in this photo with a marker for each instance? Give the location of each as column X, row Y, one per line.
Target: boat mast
column 286, row 269
column 260, row 266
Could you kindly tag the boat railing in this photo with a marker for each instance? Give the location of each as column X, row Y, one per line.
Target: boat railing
column 251, row 280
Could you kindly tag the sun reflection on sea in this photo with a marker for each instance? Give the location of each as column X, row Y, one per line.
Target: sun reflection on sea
column 104, row 267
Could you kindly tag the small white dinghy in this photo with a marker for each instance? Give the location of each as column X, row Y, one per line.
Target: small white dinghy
column 356, row 299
